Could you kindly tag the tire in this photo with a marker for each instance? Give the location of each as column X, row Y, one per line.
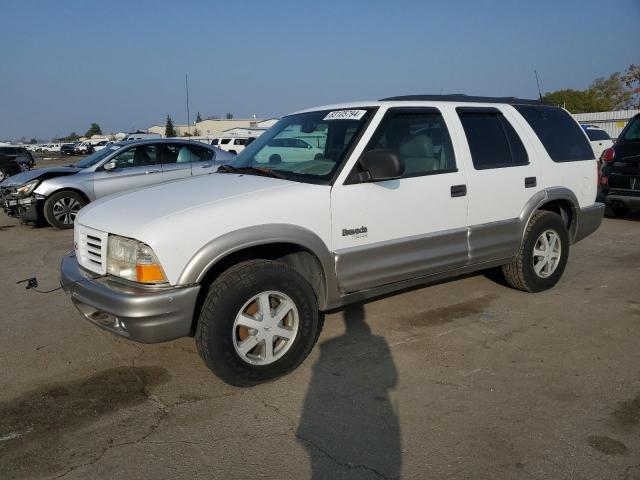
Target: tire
column 219, row 338
column 3, row 174
column 521, row 272
column 61, row 208
column 619, row 212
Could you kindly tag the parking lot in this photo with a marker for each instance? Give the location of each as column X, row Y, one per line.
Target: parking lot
column 465, row 379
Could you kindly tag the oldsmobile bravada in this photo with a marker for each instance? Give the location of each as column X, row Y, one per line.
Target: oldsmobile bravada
column 405, row 191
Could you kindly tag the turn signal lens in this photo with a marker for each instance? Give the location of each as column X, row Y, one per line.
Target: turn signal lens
column 608, row 155
column 150, row 273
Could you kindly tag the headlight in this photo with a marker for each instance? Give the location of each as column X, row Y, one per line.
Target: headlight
column 27, row 188
column 133, row 260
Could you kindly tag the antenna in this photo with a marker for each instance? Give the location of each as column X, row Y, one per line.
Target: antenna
column 186, row 85
column 538, row 83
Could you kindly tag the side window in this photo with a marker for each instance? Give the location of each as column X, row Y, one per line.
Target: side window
column 200, row 154
column 168, row 153
column 137, row 157
column 562, row 137
column 421, row 139
column 492, row 140
column 214, row 141
column 224, row 141
column 241, row 141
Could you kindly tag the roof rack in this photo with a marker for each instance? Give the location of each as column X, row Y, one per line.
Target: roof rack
column 460, row 97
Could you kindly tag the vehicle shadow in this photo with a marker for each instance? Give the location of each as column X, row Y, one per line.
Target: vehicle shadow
column 349, row 425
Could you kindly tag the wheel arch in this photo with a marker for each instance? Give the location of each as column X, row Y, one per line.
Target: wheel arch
column 560, row 200
column 295, row 246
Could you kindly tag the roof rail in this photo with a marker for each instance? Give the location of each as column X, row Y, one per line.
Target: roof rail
column 460, row 97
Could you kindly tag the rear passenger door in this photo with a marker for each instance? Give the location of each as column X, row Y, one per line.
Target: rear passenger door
column 176, row 161
column 394, row 230
column 501, row 181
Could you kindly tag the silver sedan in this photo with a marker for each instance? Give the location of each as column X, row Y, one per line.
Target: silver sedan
column 57, row 194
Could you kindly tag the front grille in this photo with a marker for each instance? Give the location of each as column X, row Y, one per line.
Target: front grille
column 91, row 249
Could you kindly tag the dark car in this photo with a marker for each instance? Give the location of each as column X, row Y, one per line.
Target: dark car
column 8, row 167
column 21, row 156
column 68, row 148
column 620, row 173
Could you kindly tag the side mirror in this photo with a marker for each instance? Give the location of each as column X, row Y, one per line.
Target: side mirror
column 110, row 165
column 380, row 164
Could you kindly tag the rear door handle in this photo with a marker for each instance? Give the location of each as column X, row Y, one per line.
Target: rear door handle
column 206, row 165
column 530, row 182
column 458, row 190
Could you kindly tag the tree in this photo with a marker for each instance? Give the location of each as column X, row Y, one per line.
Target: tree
column 198, row 118
column 229, row 115
column 94, row 129
column 169, row 130
column 33, row 141
column 631, row 79
column 612, row 92
column 196, row 132
column 576, row 101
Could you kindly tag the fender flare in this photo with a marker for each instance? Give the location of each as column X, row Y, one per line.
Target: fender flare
column 237, row 240
column 548, row 195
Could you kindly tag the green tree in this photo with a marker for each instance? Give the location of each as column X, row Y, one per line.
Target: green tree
column 94, row 129
column 169, row 130
column 576, row 101
column 229, row 115
column 198, row 118
column 33, row 141
column 612, row 92
column 196, row 132
column 631, row 79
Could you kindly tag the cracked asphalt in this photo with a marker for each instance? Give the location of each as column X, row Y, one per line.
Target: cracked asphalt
column 465, row 379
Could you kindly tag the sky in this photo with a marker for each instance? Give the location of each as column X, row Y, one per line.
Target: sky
column 122, row 64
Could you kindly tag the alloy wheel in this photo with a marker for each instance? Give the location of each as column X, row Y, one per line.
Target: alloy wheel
column 66, row 209
column 546, row 253
column 265, row 328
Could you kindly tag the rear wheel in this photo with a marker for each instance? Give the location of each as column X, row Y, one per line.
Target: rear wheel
column 3, row 174
column 543, row 254
column 259, row 321
column 619, row 212
column 61, row 208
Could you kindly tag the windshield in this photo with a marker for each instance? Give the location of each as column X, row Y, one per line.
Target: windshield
column 95, row 157
column 307, row 146
column 631, row 131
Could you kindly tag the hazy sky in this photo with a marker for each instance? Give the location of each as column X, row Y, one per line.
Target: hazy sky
column 65, row 64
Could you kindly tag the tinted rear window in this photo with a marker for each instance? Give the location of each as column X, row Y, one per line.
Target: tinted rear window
column 561, row 136
column 492, row 140
column 595, row 135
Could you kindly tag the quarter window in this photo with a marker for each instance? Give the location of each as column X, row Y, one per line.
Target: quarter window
column 421, row 139
column 492, row 140
column 560, row 134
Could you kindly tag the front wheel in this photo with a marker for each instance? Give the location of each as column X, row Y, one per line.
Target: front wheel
column 3, row 175
column 259, row 321
column 61, row 208
column 543, row 254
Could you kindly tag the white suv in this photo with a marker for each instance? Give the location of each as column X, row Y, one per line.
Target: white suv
column 407, row 191
column 232, row 144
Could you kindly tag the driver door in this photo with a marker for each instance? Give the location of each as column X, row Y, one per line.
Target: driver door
column 136, row 167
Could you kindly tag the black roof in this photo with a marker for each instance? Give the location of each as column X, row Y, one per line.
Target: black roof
column 459, row 97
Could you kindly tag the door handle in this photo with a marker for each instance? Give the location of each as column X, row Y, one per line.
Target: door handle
column 151, row 171
column 206, row 165
column 530, row 182
column 458, row 190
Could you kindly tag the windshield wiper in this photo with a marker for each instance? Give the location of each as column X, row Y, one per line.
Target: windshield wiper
column 267, row 172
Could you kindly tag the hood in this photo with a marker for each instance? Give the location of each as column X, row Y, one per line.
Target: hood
column 158, row 203
column 42, row 173
column 176, row 219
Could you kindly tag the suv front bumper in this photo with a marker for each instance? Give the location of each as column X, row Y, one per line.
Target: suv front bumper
column 143, row 314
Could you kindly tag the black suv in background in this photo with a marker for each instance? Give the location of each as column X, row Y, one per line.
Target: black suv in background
column 20, row 155
column 8, row 167
column 620, row 174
